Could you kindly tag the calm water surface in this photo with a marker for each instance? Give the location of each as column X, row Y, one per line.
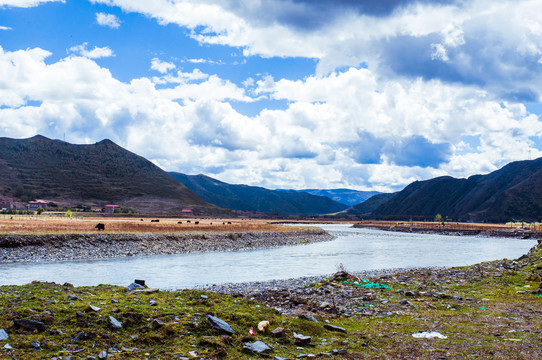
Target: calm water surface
column 355, row 249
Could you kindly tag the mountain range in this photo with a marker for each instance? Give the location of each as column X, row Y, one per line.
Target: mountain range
column 344, row 196
column 101, row 173
column 513, row 192
column 254, row 198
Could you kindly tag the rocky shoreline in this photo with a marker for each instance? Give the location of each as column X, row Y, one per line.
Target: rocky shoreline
column 63, row 247
column 450, row 231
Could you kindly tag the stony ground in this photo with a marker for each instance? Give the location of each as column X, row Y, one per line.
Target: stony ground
column 57, row 247
column 491, row 310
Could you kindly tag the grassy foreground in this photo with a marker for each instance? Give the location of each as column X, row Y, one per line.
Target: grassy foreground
column 490, row 310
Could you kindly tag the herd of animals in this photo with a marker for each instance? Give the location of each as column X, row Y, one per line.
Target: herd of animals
column 101, row 226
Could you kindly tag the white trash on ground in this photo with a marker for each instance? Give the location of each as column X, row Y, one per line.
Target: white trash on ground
column 429, row 335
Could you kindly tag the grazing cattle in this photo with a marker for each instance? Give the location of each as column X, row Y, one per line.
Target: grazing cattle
column 179, row 222
column 223, row 223
column 196, row 222
column 229, row 222
column 188, row 221
column 100, row 226
column 210, row 223
column 155, row 220
column 140, row 219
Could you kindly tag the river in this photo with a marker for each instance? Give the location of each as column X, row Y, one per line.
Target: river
column 356, row 249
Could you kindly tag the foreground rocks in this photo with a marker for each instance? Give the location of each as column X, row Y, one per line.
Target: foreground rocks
column 489, row 310
column 48, row 248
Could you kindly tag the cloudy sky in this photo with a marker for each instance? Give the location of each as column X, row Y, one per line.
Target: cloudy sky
column 361, row 94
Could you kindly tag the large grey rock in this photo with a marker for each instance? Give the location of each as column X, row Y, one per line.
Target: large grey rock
column 258, row 347
column 134, row 286
column 30, row 324
column 220, row 324
column 3, row 334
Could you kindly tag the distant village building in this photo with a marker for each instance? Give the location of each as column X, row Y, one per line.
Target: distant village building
column 34, row 205
column 6, row 205
column 111, row 208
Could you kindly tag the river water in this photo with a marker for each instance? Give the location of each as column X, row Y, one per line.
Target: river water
column 356, row 249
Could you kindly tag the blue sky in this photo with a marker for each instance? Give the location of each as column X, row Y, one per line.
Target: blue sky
column 369, row 95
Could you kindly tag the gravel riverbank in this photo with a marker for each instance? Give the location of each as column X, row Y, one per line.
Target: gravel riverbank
column 62, row 247
column 249, row 288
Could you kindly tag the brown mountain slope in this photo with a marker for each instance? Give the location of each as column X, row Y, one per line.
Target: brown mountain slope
column 89, row 174
column 513, row 192
column 255, row 198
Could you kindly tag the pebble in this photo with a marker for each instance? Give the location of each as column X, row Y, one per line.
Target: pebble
column 115, row 324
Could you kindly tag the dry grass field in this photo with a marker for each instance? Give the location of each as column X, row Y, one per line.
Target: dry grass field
column 21, row 224
column 62, row 225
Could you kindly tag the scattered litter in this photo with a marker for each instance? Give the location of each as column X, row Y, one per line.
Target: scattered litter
column 429, row 335
column 368, row 284
column 263, row 325
column 251, row 331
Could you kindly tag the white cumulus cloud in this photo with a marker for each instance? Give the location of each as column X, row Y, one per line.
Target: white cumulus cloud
column 162, row 66
column 25, row 3
column 378, row 113
column 108, row 20
column 97, row 52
